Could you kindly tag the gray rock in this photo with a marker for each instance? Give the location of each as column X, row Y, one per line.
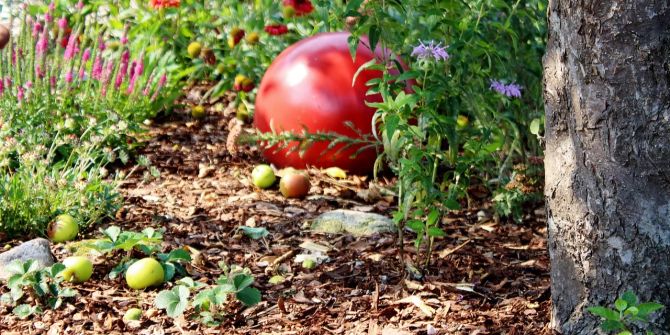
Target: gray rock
column 342, row 221
column 37, row 249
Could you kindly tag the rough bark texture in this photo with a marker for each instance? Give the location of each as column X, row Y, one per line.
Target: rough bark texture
column 607, row 94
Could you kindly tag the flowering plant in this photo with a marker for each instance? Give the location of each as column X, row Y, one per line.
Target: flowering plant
column 66, row 111
column 460, row 124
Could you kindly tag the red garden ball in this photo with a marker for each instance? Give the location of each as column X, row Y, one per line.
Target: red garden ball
column 309, row 86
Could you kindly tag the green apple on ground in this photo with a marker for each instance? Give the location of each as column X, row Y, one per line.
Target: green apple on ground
column 144, row 273
column 132, row 314
column 308, row 264
column 78, row 269
column 263, row 176
column 198, row 112
column 294, row 185
column 64, row 228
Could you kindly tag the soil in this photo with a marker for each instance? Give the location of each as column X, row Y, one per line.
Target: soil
column 487, row 276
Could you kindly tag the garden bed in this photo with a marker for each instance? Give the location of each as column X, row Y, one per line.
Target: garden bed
column 485, row 277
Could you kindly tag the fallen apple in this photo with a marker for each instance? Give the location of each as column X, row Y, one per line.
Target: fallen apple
column 194, row 49
column 198, row 112
column 64, row 228
column 144, row 273
column 78, row 269
column 263, row 176
column 462, row 121
column 308, row 264
column 132, row 314
column 294, row 184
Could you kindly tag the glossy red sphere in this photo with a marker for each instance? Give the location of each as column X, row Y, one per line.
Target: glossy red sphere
column 309, row 85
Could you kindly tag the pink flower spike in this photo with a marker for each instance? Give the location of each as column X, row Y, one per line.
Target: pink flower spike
column 101, row 44
column 148, row 85
column 71, row 48
column 69, row 76
column 21, row 94
column 52, row 6
column 123, row 69
column 62, row 23
column 37, row 28
column 2, row 87
column 124, row 40
column 96, row 72
column 86, row 56
column 80, row 5
column 42, row 44
column 161, row 83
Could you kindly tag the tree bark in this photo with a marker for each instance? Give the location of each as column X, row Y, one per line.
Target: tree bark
column 607, row 161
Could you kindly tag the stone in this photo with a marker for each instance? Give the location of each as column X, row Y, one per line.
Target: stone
column 37, row 249
column 342, row 221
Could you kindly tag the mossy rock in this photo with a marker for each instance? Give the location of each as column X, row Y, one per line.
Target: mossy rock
column 355, row 223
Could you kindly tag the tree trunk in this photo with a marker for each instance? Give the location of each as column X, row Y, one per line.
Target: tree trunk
column 607, row 95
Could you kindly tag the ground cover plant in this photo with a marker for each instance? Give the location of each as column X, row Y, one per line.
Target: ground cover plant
column 69, row 106
column 132, row 117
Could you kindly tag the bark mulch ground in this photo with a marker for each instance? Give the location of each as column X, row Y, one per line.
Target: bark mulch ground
column 486, row 277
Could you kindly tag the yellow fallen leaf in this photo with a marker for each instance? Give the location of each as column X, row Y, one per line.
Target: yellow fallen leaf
column 336, row 172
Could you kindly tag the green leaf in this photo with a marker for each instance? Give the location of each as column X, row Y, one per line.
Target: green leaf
column 168, row 271
column 242, row 281
column 373, row 36
column 352, row 7
column 604, row 312
column 179, row 255
column 630, row 298
column 23, row 311
column 249, row 296
column 254, row 232
column 112, row 233
column 535, row 127
column 620, row 305
column 362, row 68
column 645, row 309
column 612, row 325
column 436, row 232
column 174, row 302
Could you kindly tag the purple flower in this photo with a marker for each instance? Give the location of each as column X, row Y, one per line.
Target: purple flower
column 511, row 90
column 430, row 50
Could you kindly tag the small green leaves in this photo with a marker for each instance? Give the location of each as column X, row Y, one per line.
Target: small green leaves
column 175, row 301
column 249, row 296
column 627, row 311
column 23, row 311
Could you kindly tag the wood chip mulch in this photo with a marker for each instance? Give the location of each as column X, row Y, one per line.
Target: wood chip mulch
column 486, row 277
